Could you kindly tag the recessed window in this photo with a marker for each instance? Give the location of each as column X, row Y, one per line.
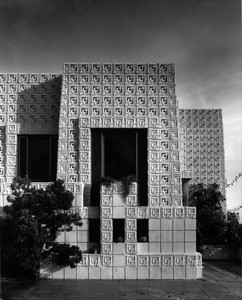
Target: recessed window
column 37, row 157
column 118, row 230
column 118, row 153
column 94, row 230
column 142, row 230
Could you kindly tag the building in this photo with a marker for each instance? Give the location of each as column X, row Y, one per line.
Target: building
column 114, row 120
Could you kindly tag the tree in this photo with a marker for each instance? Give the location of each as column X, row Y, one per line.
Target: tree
column 31, row 224
column 214, row 226
column 211, row 220
column 233, row 234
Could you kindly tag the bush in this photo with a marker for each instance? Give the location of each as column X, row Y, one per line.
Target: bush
column 31, row 224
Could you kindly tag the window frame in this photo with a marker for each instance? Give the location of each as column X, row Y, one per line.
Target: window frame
column 98, row 162
column 24, row 156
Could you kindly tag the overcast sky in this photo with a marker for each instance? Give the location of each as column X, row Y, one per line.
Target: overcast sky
column 202, row 38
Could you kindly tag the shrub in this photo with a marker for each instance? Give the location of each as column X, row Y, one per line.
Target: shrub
column 31, row 224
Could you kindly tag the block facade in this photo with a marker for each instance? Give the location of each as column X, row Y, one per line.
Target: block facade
column 202, row 146
column 121, row 96
column 29, row 104
column 180, row 143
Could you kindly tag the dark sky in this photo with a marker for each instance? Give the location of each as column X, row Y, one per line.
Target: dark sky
column 202, row 38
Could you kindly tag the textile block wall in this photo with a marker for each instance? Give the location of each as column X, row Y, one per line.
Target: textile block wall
column 29, row 104
column 121, row 96
column 157, row 240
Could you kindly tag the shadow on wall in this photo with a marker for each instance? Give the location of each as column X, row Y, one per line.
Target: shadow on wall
column 29, row 106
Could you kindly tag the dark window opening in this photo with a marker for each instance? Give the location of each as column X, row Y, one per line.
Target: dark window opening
column 37, row 157
column 118, row 153
column 118, row 230
column 94, row 230
column 142, row 230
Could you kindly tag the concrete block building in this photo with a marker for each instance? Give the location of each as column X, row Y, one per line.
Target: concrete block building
column 99, row 121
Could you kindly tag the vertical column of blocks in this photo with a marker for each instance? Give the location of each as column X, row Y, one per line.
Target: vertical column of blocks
column 131, row 246
column 106, row 219
column 178, row 230
column 190, row 229
column 166, row 230
column 119, row 232
column 2, row 148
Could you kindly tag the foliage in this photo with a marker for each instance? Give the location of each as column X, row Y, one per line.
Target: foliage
column 31, row 224
column 107, row 181
column 233, row 230
column 126, row 183
column 65, row 254
column 213, row 225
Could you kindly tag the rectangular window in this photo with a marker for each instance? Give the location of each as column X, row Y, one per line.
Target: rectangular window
column 118, row 230
column 37, row 157
column 142, row 230
column 118, row 153
column 94, row 230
